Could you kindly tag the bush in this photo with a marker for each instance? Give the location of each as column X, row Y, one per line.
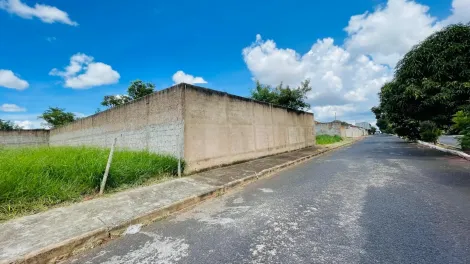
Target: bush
column 462, row 124
column 429, row 131
column 327, row 139
column 33, row 179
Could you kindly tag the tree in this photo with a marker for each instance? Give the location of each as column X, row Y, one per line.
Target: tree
column 6, row 125
column 431, row 83
column 136, row 90
column 56, row 117
column 372, row 130
column 281, row 95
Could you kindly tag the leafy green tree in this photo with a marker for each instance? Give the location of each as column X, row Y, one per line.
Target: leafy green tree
column 281, row 95
column 373, row 130
column 432, row 82
column 462, row 124
column 115, row 100
column 6, row 125
column 136, row 90
column 55, row 117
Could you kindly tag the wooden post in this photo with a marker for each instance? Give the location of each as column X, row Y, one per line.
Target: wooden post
column 108, row 165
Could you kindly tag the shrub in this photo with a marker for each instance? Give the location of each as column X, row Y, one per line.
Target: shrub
column 429, row 131
column 462, row 124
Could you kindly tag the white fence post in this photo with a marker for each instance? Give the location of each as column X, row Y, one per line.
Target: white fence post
column 108, row 165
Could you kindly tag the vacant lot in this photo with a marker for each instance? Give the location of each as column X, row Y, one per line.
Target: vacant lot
column 327, row 139
column 33, row 179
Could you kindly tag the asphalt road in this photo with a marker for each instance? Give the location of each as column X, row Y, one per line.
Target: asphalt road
column 380, row 200
column 449, row 140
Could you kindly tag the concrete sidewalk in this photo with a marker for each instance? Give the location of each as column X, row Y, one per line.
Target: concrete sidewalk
column 55, row 234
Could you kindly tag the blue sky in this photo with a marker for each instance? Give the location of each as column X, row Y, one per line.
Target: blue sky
column 347, row 48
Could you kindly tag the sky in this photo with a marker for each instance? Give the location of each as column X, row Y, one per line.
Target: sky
column 69, row 54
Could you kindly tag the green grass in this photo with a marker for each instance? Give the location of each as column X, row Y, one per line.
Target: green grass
column 34, row 179
column 327, row 139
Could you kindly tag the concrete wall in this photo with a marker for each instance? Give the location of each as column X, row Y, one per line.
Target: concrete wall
column 206, row 127
column 353, row 131
column 223, row 129
column 337, row 128
column 331, row 128
column 153, row 122
column 33, row 137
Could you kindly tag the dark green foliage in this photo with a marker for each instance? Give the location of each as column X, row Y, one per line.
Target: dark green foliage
column 429, row 131
column 55, row 117
column 7, row 125
column 281, row 95
column 462, row 124
column 136, row 90
column 32, row 179
column 432, row 82
column 372, row 130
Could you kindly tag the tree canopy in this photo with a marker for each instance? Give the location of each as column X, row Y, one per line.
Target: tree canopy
column 55, row 117
column 135, row 90
column 7, row 125
column 281, row 95
column 431, row 83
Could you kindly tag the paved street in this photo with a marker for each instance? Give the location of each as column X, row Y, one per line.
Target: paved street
column 381, row 200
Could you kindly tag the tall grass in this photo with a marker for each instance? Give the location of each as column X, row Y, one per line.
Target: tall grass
column 33, row 179
column 327, row 139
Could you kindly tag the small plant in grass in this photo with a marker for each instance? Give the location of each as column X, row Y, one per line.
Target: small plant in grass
column 327, row 139
column 33, row 179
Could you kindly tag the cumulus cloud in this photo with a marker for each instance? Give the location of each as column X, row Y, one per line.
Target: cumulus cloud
column 460, row 13
column 389, row 32
column 181, row 77
column 84, row 73
column 338, row 78
column 9, row 80
column 47, row 14
column 346, row 78
column 11, row 108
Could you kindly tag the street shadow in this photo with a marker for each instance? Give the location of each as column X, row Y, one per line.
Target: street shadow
column 402, row 226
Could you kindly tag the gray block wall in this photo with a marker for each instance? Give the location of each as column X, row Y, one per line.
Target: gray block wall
column 31, row 137
column 153, row 123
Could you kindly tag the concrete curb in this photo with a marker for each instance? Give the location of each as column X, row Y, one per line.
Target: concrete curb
column 451, row 151
column 57, row 252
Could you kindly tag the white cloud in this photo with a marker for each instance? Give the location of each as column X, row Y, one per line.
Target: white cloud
column 338, row 79
column 346, row 78
column 26, row 124
column 51, row 39
column 11, row 108
column 389, row 32
column 92, row 73
column 47, row 14
column 9, row 80
column 460, row 12
column 181, row 77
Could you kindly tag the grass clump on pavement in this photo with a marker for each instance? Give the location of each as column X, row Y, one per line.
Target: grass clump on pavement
column 35, row 178
column 327, row 139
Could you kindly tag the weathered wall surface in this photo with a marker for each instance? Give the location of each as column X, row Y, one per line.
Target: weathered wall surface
column 337, row 128
column 19, row 138
column 153, row 122
column 331, row 128
column 223, row 129
column 353, row 132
